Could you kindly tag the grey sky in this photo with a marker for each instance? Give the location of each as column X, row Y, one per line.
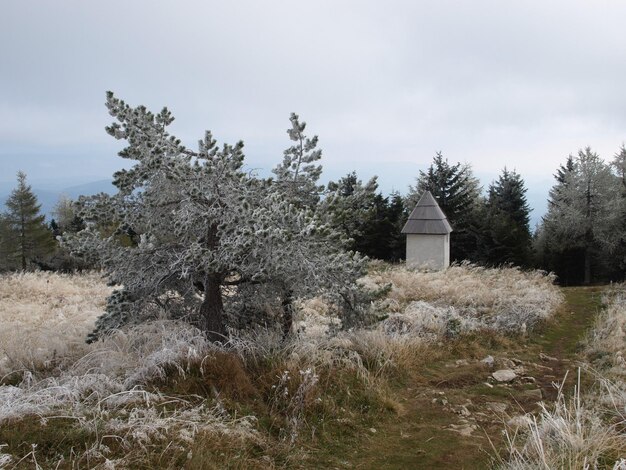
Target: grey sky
column 384, row 84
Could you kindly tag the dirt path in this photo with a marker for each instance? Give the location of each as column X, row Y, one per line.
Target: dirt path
column 449, row 412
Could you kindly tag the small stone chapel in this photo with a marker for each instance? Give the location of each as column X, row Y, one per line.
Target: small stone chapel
column 427, row 235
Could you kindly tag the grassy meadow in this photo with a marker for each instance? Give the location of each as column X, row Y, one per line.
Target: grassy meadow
column 412, row 385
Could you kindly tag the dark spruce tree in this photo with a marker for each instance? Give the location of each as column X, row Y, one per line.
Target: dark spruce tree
column 397, row 213
column 457, row 192
column 5, row 245
column 370, row 222
column 381, row 236
column 506, row 233
column 348, row 206
column 26, row 238
column 566, row 262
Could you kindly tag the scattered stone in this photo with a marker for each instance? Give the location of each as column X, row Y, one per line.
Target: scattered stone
column 463, row 429
column 488, row 384
column 497, row 407
column 373, row 430
column 545, row 357
column 529, row 379
column 504, row 375
column 507, row 363
column 462, row 362
column 488, row 361
column 517, row 362
column 463, row 411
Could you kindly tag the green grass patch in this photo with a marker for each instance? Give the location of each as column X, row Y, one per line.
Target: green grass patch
column 55, row 438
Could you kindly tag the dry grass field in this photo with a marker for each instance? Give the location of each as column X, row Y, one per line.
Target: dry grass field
column 470, row 297
column 45, row 316
column 160, row 396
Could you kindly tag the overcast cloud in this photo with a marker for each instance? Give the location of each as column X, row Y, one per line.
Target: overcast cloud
column 384, row 84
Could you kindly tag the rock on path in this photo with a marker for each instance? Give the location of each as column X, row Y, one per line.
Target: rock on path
column 504, row 375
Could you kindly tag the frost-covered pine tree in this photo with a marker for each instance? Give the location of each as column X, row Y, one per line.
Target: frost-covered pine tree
column 298, row 174
column 619, row 166
column 189, row 231
column 585, row 210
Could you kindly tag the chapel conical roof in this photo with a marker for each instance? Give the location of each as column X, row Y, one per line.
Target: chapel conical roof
column 427, row 218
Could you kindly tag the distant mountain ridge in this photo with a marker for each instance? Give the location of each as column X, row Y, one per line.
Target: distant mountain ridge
column 49, row 197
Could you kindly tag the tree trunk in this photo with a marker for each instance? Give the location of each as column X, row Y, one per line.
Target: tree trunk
column 287, row 313
column 588, row 237
column 23, row 241
column 212, row 309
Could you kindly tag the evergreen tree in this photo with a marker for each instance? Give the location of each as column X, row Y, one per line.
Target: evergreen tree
column 27, row 237
column 201, row 223
column 6, row 238
column 298, row 173
column 584, row 215
column 506, row 234
column 348, row 206
column 566, row 262
column 397, row 214
column 374, row 239
column 619, row 166
column 457, row 192
column 370, row 222
column 564, row 170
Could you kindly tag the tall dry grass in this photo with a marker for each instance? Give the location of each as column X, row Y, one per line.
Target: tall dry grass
column 584, row 428
column 606, row 344
column 467, row 297
column 162, row 385
column 46, row 316
column 110, row 395
column 573, row 432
